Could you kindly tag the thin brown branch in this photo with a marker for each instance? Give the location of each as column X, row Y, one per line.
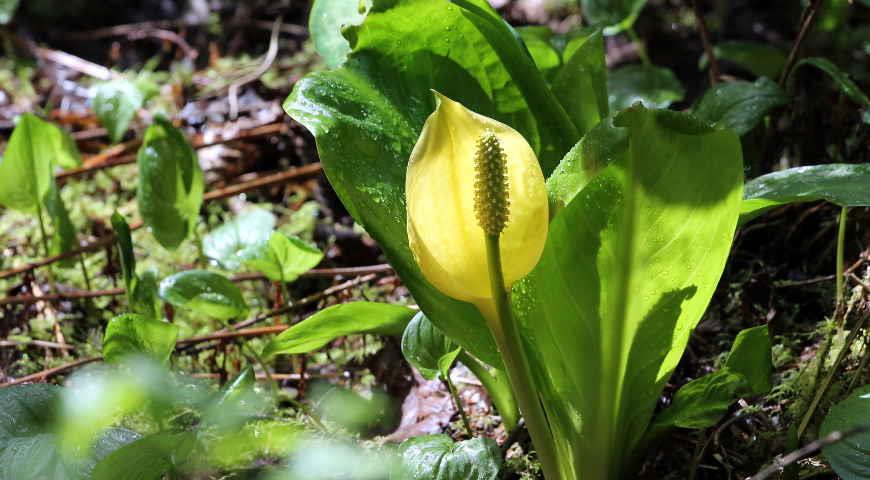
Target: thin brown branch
column 808, row 449
column 244, row 333
column 712, row 62
column 48, row 373
column 807, row 16
column 35, row 343
column 75, row 63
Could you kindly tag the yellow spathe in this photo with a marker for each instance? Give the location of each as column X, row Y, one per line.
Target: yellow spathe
column 443, row 232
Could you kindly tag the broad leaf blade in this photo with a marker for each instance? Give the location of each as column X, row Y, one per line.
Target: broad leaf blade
column 423, row 346
column 283, row 258
column 26, row 175
column 603, row 335
column 839, row 183
column 116, row 103
column 170, row 184
column 751, row 356
column 438, row 457
column 231, row 243
column 146, row 458
column 850, row 458
column 581, row 83
column 346, row 319
column 132, row 334
column 204, row 292
column 740, row 105
column 840, row 78
column 325, row 23
column 702, row 402
column 654, row 87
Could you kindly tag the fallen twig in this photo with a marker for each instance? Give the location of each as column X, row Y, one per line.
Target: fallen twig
column 265, row 65
column 36, row 343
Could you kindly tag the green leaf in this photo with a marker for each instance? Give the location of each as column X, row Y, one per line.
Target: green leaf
column 26, row 175
column 283, row 258
column 66, row 153
column 850, row 458
column 437, row 457
column 629, row 267
column 423, row 346
column 116, row 103
column 206, row 293
column 740, row 105
column 839, row 183
column 325, row 22
column 64, row 236
column 7, row 10
column 132, row 334
column 147, row 458
column 702, row 402
column 170, row 184
column 144, row 298
column 581, row 83
column 125, row 247
column 603, row 145
column 751, row 356
column 231, row 243
column 617, row 14
column 537, row 42
column 760, row 59
column 366, row 117
column 337, row 321
column 655, row 87
column 840, row 78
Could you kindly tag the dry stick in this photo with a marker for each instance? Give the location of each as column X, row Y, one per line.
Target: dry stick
column 75, row 63
column 241, row 277
column 808, row 15
column 236, row 330
column 212, row 195
column 712, row 62
column 809, row 449
column 264, row 67
column 36, row 343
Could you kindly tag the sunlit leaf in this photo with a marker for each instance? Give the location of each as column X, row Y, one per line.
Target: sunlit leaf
column 283, row 258
column 26, row 175
column 325, row 22
column 581, row 83
column 204, row 292
column 116, row 103
column 438, row 457
column 338, row 320
column 132, row 334
column 170, row 184
column 231, row 243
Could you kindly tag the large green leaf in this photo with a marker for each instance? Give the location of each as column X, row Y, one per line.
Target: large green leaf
column 170, row 184
column 740, row 105
column 628, row 269
column 132, row 334
column 839, row 183
column 752, row 357
column 204, row 292
column 424, row 346
column 231, row 243
column 655, row 87
column 538, row 41
column 338, row 320
column 26, row 174
column 116, row 103
column 325, row 22
column 615, row 14
column 438, row 457
column 760, row 59
column 367, row 115
column 147, row 458
column 283, row 258
column 581, row 83
column 702, row 402
column 850, row 458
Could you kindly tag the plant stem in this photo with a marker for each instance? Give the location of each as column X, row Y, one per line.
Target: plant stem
column 712, row 62
column 841, row 241
column 44, row 240
column 458, row 401
column 499, row 391
column 639, row 45
column 507, row 335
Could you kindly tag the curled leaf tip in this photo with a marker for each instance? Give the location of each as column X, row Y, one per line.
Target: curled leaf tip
column 491, row 203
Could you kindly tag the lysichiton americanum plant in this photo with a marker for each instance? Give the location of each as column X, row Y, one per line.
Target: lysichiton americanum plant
column 574, row 249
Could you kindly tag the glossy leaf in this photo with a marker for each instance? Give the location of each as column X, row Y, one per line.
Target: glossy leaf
column 654, row 87
column 616, row 14
column 234, row 241
column 424, row 346
column 841, row 79
column 602, row 337
column 367, row 115
column 125, row 246
column 537, row 41
column 339, row 320
column 116, row 103
column 751, row 356
column 581, row 83
column 850, row 458
column 26, row 176
column 760, row 59
column 133, row 334
column 204, row 292
column 325, row 22
column 702, row 402
column 740, row 105
column 147, row 458
column 839, row 183
column 283, row 258
column 170, row 184
column 438, row 457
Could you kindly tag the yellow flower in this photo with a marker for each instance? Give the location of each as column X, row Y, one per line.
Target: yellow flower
column 444, row 231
